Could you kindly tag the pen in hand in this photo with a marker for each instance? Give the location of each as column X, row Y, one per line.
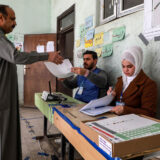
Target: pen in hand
column 111, row 91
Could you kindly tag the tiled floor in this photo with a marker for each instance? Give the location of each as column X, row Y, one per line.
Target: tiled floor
column 31, row 126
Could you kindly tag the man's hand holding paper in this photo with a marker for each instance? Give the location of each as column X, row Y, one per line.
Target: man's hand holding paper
column 55, row 57
column 61, row 70
column 79, row 71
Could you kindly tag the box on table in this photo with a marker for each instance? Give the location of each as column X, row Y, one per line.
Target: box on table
column 117, row 144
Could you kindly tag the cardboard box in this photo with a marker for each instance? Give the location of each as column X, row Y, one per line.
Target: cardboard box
column 122, row 149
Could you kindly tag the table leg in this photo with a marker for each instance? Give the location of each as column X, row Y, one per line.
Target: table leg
column 63, row 146
column 45, row 131
column 56, row 154
column 71, row 152
column 45, row 126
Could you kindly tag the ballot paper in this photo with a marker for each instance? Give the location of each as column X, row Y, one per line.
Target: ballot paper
column 98, row 106
column 61, row 70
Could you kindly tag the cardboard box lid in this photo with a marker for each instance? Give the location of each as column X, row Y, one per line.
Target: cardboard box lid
column 121, row 149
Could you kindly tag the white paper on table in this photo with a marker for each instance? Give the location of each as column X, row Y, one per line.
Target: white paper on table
column 98, row 106
column 97, row 111
column 50, row 46
column 61, row 70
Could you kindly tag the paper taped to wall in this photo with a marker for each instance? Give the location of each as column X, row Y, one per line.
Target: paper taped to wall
column 61, row 70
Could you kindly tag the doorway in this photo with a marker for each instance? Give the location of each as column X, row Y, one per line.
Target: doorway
column 36, row 75
column 65, row 41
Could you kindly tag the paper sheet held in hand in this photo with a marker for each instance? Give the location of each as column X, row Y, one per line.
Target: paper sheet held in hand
column 61, row 70
column 98, row 106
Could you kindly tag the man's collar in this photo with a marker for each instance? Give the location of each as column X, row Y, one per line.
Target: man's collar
column 93, row 68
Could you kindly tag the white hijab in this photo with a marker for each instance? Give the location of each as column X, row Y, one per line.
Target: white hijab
column 135, row 56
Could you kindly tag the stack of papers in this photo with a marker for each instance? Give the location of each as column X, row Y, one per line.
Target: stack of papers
column 98, row 106
column 61, row 70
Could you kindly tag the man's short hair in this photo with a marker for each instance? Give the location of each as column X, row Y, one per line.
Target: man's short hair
column 94, row 54
column 3, row 9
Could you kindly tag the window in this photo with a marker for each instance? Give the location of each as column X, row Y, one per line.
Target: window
column 67, row 21
column 111, row 9
column 151, row 18
column 126, row 4
column 108, row 10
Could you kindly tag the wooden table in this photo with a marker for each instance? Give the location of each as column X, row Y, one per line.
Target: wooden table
column 65, row 119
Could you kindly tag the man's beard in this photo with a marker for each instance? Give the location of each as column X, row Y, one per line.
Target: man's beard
column 90, row 67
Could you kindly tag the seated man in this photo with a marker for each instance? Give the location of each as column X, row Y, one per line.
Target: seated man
column 91, row 81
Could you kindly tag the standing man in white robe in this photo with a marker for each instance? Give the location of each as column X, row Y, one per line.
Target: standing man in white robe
column 10, row 138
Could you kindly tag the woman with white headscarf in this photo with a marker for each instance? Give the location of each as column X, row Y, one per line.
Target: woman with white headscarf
column 135, row 92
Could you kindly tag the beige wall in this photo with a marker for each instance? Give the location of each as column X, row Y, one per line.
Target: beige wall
column 134, row 26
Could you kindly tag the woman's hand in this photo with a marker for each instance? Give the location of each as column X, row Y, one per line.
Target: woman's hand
column 111, row 91
column 118, row 110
